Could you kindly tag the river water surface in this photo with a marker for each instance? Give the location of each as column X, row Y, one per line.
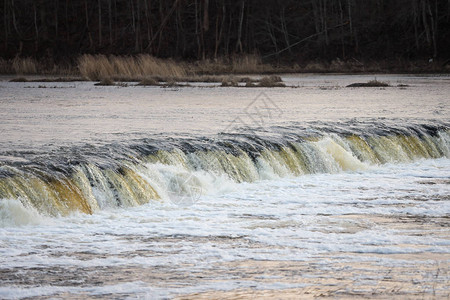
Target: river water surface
column 314, row 190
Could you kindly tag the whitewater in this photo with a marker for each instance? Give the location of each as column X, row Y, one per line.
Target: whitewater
column 314, row 190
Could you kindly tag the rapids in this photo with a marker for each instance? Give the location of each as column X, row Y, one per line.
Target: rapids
column 183, row 170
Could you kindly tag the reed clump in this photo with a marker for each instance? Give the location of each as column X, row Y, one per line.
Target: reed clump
column 230, row 81
column 174, row 84
column 32, row 66
column 266, row 81
column 149, row 81
column 371, row 83
column 98, row 67
column 5, row 66
column 271, row 81
column 24, row 66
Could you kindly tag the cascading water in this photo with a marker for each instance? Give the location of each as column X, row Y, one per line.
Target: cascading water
column 143, row 172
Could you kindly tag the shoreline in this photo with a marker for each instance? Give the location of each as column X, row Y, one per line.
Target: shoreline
column 137, row 68
column 219, row 78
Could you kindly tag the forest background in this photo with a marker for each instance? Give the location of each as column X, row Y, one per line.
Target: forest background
column 289, row 35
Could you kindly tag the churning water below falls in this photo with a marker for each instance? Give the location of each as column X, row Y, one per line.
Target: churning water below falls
column 212, row 192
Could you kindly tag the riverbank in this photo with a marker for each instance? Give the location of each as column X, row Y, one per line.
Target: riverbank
column 140, row 67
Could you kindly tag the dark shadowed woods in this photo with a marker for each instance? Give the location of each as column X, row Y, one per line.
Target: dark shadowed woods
column 278, row 31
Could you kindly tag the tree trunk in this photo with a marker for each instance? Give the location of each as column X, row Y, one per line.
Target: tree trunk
column 100, row 23
column 110, row 22
column 433, row 27
column 36, row 43
column 270, row 31
column 5, row 24
column 222, row 24
column 241, row 20
column 197, row 31
column 341, row 16
column 56, row 5
column 350, row 19
column 205, row 15
column 137, row 45
column 147, row 19
column 91, row 42
column 325, row 22
column 415, row 21
column 425, row 22
column 284, row 29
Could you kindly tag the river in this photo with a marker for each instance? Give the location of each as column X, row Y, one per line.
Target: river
column 313, row 190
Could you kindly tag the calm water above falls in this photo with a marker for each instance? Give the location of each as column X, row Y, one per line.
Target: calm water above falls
column 223, row 192
column 80, row 113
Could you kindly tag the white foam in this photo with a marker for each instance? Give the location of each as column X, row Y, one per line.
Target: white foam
column 291, row 218
column 137, row 287
column 14, row 213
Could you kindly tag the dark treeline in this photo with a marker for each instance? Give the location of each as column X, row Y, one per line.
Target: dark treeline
column 196, row 29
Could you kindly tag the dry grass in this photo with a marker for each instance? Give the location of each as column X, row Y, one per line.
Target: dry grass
column 248, row 64
column 140, row 67
column 98, row 67
column 5, row 66
column 22, row 66
column 239, row 64
column 229, row 81
column 315, row 67
column 31, row 66
column 149, row 82
column 271, row 81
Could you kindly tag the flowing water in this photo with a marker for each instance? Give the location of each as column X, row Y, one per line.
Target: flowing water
column 211, row 192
